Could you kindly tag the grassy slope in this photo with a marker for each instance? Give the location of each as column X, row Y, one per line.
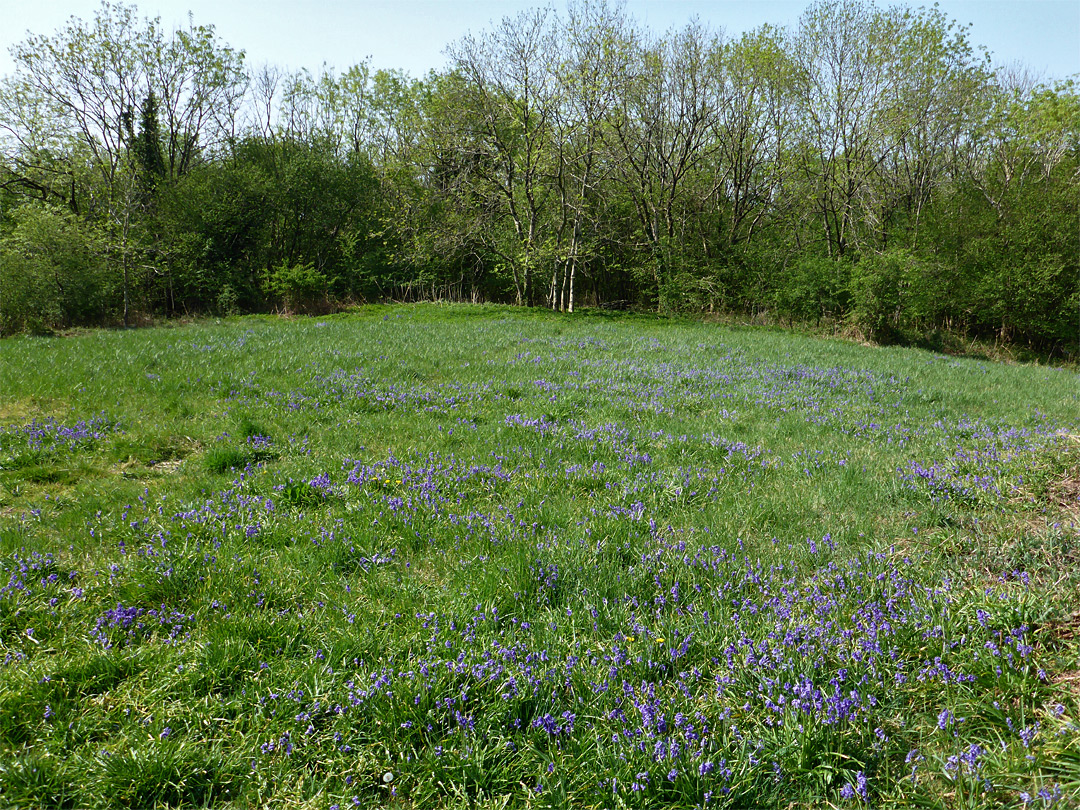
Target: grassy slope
column 515, row 557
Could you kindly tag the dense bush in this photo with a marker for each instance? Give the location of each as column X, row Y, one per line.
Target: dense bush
column 300, row 287
column 812, row 288
column 53, row 273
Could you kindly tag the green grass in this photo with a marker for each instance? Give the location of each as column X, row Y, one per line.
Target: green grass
column 517, row 559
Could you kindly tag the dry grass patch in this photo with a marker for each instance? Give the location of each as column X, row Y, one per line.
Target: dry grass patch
column 1069, row 681
column 1064, row 494
column 1064, row 629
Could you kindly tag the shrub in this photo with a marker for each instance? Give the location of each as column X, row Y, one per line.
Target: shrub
column 52, row 272
column 812, row 288
column 300, row 287
column 894, row 295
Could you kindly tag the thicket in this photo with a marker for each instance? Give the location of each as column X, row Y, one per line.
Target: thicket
column 869, row 167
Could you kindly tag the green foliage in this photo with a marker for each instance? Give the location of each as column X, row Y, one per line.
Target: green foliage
column 889, row 295
column 213, row 220
column 300, row 287
column 224, row 459
column 283, row 224
column 812, row 288
column 301, row 495
column 52, row 273
column 146, row 146
column 869, row 166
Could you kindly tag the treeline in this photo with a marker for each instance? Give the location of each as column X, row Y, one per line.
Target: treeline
column 868, row 166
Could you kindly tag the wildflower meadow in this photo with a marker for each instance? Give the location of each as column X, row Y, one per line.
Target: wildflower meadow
column 441, row 556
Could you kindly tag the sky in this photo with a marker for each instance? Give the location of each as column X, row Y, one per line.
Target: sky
column 1042, row 35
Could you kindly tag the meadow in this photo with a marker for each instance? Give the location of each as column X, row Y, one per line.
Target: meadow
column 440, row 556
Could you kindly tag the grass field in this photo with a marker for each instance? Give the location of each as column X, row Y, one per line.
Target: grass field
column 454, row 557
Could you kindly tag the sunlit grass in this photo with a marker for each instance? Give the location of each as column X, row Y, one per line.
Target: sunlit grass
column 512, row 557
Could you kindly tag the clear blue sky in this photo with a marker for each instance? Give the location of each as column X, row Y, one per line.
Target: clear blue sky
column 1044, row 35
